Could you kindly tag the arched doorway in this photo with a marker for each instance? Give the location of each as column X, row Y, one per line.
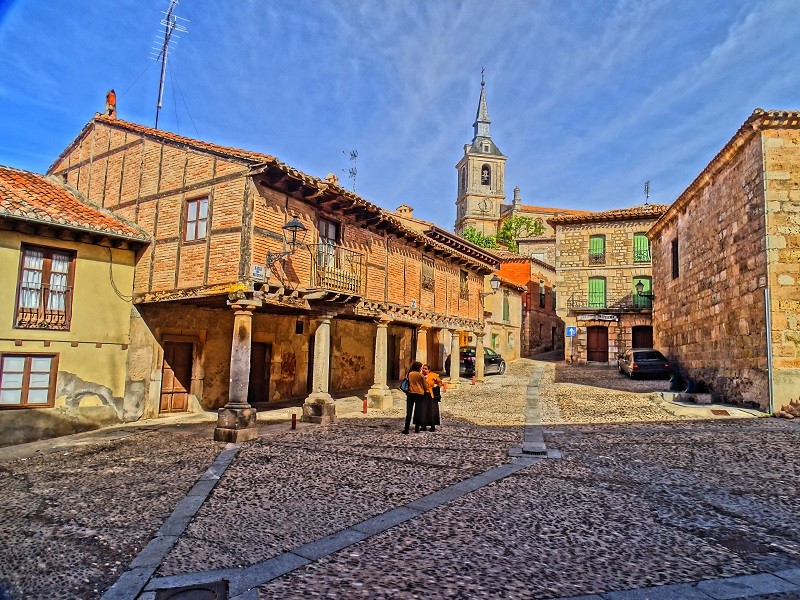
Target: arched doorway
column 597, row 344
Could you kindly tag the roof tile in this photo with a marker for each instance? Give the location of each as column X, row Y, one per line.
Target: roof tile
column 29, row 196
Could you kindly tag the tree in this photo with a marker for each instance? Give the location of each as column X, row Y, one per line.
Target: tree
column 477, row 238
column 514, row 228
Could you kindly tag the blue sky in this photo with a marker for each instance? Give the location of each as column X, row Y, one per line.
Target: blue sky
column 588, row 98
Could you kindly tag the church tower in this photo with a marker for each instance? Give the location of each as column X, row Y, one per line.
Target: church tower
column 481, row 177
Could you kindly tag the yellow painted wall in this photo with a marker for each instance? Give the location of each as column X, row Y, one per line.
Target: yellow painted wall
column 92, row 355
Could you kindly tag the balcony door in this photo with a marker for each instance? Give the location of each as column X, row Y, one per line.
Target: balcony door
column 328, row 238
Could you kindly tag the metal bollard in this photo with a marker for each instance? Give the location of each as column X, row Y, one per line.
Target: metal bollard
column 444, row 386
column 294, row 420
column 364, row 410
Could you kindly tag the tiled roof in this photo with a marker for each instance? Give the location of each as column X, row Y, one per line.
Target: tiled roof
column 643, row 211
column 760, row 119
column 28, row 196
column 548, row 209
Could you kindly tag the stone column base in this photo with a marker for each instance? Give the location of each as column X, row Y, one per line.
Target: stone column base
column 236, row 425
column 319, row 408
column 380, row 398
column 451, row 385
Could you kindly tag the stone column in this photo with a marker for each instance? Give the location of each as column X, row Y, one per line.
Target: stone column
column 422, row 344
column 319, row 406
column 236, row 421
column 455, row 359
column 479, row 362
column 379, row 395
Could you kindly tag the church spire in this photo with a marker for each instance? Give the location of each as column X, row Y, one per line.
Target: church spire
column 482, row 121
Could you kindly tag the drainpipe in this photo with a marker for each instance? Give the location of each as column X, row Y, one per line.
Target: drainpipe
column 767, row 313
column 767, row 304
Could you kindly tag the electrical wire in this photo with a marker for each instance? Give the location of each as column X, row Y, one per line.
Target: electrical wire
column 111, row 278
column 183, row 98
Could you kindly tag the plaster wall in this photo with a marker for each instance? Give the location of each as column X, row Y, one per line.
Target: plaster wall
column 92, row 355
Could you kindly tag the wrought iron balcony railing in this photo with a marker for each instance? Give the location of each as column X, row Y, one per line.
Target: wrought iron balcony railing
column 599, row 301
column 337, row 268
column 640, row 256
column 597, row 258
column 43, row 307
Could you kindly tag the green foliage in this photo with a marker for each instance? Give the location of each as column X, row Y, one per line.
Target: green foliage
column 517, row 227
column 477, row 238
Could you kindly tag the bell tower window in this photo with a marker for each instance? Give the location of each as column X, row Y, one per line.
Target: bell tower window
column 486, row 175
column 462, row 179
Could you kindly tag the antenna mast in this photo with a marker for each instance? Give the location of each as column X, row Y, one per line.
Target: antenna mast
column 352, row 171
column 170, row 24
column 646, row 192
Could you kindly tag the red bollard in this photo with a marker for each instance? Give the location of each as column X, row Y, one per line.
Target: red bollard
column 473, row 380
column 444, row 386
column 364, row 410
column 294, row 420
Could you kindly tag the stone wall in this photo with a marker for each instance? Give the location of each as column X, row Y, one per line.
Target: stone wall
column 782, row 160
column 710, row 319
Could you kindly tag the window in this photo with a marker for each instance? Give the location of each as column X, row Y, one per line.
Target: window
column 541, row 293
column 27, row 380
column 597, row 250
column 506, row 310
column 486, row 175
column 642, row 301
column 463, row 290
column 553, row 293
column 495, row 337
column 675, row 269
column 597, row 292
column 196, row 219
column 641, row 248
column 44, row 294
column 538, row 256
column 462, row 180
column 485, row 146
column 428, row 282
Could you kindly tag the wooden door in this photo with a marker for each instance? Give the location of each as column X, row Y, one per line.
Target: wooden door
column 642, row 336
column 176, row 377
column 258, row 385
column 597, row 344
column 393, row 357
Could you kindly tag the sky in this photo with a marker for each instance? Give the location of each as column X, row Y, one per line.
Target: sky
column 588, row 99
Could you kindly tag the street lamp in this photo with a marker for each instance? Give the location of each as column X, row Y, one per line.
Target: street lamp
column 640, row 291
column 294, row 233
column 494, row 283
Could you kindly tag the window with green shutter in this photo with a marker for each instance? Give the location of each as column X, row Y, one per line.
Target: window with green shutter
column 597, row 250
column 597, row 292
column 641, row 248
column 506, row 311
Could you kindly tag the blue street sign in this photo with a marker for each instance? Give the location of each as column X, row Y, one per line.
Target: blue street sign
column 572, row 331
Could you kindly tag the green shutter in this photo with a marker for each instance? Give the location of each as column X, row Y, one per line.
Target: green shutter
column 597, row 292
column 641, row 248
column 597, row 244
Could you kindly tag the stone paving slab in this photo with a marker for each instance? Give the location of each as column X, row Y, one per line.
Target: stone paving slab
column 745, row 586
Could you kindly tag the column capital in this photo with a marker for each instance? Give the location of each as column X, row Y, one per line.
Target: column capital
column 384, row 321
column 245, row 304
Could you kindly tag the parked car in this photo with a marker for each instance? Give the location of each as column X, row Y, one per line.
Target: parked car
column 492, row 362
column 643, row 361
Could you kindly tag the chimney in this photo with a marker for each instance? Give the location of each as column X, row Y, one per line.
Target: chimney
column 332, row 179
column 111, row 104
column 517, row 199
column 404, row 210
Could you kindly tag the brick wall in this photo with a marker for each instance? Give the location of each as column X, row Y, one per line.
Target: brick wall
column 782, row 159
column 710, row 318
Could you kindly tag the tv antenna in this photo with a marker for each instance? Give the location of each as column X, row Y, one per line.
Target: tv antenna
column 352, row 171
column 160, row 52
column 646, row 192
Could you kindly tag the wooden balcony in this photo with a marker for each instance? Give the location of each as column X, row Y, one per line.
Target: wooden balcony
column 337, row 269
column 600, row 302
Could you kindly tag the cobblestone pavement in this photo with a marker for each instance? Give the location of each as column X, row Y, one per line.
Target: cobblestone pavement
column 605, row 376
column 645, row 494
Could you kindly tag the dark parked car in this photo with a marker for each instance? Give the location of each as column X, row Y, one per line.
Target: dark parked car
column 644, row 362
column 492, row 362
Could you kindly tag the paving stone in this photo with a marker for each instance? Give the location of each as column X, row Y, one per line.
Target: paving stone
column 329, row 544
column 747, row 585
column 667, row 592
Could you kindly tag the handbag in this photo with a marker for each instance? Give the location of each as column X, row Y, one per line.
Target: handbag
column 404, row 385
column 437, row 393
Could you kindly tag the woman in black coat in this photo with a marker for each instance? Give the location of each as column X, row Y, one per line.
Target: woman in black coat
column 415, row 397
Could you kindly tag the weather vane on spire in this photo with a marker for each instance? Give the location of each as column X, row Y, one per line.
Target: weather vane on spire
column 482, row 81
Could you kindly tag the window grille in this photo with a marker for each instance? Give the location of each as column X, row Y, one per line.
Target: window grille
column 428, row 281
